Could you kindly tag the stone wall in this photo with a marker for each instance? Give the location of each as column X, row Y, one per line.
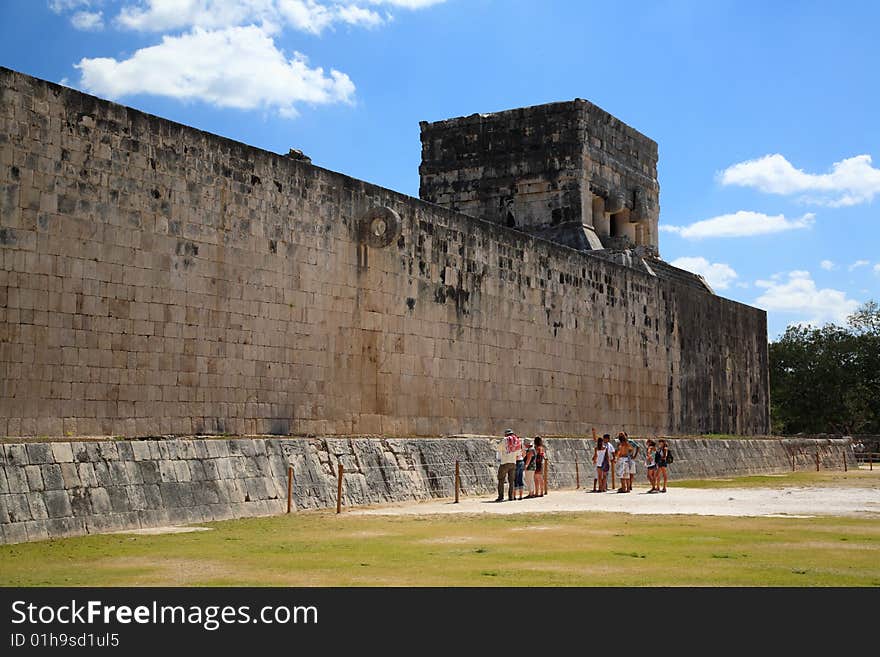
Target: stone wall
column 52, row 490
column 156, row 279
column 558, row 165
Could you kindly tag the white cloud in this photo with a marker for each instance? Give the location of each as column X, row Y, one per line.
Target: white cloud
column 859, row 263
column 717, row 274
column 88, row 20
column 798, row 295
column 850, row 182
column 354, row 15
column 223, row 51
column 740, row 224
column 61, row 6
column 877, row 268
column 163, row 15
column 236, row 67
column 313, row 16
column 828, row 265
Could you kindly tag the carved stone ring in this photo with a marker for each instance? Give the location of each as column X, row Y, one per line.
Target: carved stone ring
column 379, row 227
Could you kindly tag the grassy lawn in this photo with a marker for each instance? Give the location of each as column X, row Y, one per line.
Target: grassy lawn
column 565, row 549
column 862, row 478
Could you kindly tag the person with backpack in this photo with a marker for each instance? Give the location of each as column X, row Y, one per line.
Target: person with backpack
column 663, row 457
column 508, row 449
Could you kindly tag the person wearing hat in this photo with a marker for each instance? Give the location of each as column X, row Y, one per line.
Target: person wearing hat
column 508, row 449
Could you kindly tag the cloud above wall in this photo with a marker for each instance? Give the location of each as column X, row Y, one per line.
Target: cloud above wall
column 218, row 66
column 849, row 182
column 796, row 294
column 740, row 224
column 226, row 52
column 718, row 274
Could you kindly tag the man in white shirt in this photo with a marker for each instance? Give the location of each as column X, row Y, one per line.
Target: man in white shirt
column 508, row 449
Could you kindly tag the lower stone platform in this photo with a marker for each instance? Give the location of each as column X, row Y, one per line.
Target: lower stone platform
column 56, row 489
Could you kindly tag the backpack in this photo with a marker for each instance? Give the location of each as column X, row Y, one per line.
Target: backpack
column 669, row 458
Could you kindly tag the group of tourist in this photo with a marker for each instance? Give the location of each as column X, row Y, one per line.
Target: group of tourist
column 522, row 464
column 625, row 457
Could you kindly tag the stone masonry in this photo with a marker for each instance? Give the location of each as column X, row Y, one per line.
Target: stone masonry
column 51, row 490
column 156, row 279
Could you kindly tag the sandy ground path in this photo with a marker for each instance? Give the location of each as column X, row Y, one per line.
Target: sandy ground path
column 769, row 502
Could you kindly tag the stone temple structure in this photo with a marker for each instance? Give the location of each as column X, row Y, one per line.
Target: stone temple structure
column 156, row 280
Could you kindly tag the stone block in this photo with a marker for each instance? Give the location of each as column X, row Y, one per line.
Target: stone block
column 87, row 474
column 125, row 450
column 118, row 499
column 149, row 471
column 39, row 453
column 62, row 452
column 36, row 530
column 133, row 472
column 141, row 450
column 80, row 502
column 34, row 477
column 65, row 527
column 70, row 475
column 102, row 474
column 52, row 477
column 153, row 496
column 37, row 506
column 16, row 454
column 57, row 503
column 16, row 507
column 15, row 533
column 100, row 501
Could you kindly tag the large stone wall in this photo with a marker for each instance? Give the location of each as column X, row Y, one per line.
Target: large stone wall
column 52, row 490
column 156, row 279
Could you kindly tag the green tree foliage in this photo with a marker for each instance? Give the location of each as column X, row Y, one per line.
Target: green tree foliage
column 828, row 379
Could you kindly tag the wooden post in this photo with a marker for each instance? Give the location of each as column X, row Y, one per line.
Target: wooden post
column 817, row 460
column 457, row 481
column 546, row 475
column 871, row 461
column 792, row 461
column 844, row 461
column 339, row 489
column 289, row 487
column 577, row 474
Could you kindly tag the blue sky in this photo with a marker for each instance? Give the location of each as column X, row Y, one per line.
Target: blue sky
column 766, row 113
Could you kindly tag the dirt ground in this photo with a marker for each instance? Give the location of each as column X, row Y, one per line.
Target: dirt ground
column 803, row 501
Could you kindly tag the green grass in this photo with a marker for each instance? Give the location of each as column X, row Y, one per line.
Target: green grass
column 852, row 479
column 564, row 549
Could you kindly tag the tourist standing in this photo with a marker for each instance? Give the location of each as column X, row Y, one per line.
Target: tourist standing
column 518, row 483
column 623, row 456
column 540, row 458
column 600, row 461
column 651, row 464
column 662, row 457
column 529, row 463
column 508, row 448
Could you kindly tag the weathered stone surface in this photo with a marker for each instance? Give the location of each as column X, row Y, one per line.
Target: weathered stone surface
column 253, row 480
column 57, row 503
column 456, row 326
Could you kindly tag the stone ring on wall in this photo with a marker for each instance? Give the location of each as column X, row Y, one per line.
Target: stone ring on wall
column 379, row 227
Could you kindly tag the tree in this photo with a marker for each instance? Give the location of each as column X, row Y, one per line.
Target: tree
column 828, row 379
